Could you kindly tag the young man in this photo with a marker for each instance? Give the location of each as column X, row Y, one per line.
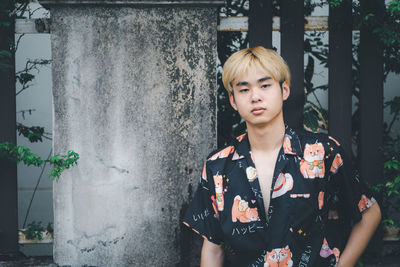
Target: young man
column 277, row 196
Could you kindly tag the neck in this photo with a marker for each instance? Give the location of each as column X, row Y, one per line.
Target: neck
column 267, row 138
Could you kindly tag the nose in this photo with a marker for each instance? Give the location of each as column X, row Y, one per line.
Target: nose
column 255, row 97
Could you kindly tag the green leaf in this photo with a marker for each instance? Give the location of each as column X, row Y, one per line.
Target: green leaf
column 389, row 185
column 20, row 150
column 389, row 222
column 24, row 78
column 34, row 133
column 5, row 54
column 388, row 164
column 368, row 16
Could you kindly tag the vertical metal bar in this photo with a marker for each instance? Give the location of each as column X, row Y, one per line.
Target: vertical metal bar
column 371, row 96
column 8, row 169
column 292, row 47
column 260, row 23
column 340, row 74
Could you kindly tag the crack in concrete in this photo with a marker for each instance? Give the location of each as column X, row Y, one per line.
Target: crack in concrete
column 100, row 242
column 120, row 170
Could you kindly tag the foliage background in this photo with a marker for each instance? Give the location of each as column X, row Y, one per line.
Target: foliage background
column 387, row 28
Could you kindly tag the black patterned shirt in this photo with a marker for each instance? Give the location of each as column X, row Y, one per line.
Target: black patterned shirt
column 313, row 203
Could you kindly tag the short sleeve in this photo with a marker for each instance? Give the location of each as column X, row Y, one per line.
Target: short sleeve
column 202, row 214
column 350, row 195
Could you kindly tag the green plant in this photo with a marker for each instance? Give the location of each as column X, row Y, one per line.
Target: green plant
column 393, row 185
column 35, row 230
column 335, row 3
column 9, row 11
column 23, row 154
column 389, row 188
column 62, row 163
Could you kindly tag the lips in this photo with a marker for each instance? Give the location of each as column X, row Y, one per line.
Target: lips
column 257, row 110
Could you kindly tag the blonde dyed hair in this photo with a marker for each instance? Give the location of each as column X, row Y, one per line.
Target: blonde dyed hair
column 239, row 62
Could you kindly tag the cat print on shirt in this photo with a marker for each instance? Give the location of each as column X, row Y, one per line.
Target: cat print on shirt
column 240, row 137
column 242, row 212
column 251, row 173
column 312, row 165
column 283, row 184
column 236, row 156
column 219, row 192
column 279, row 257
column 224, row 153
column 333, row 215
column 287, row 146
column 326, row 251
column 336, row 164
column 215, row 205
column 365, row 203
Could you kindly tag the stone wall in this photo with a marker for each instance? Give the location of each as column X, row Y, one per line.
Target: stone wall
column 135, row 95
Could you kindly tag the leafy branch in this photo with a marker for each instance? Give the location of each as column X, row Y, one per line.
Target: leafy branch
column 24, row 77
column 62, row 163
column 33, row 133
column 23, row 154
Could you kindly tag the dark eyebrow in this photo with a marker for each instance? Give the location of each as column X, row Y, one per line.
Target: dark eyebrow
column 242, row 83
column 264, row 79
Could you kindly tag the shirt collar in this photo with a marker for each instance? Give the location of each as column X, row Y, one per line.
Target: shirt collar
column 291, row 144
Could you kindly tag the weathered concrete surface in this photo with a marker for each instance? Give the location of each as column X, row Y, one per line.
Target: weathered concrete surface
column 134, row 94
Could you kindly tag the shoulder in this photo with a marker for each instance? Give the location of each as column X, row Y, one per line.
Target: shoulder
column 330, row 144
column 221, row 153
column 227, row 153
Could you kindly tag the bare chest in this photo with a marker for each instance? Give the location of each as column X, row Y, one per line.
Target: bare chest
column 265, row 165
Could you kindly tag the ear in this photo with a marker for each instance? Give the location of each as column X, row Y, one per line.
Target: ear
column 232, row 101
column 285, row 90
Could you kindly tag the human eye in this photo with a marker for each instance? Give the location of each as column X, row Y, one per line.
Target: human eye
column 265, row 85
column 243, row 90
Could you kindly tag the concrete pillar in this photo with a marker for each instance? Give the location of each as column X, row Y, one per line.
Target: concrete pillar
column 134, row 86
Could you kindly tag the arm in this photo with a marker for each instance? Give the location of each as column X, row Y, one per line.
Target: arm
column 212, row 255
column 360, row 236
